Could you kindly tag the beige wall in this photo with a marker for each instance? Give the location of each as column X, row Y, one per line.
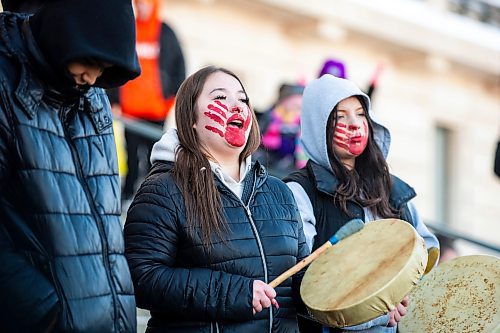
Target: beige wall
column 268, row 42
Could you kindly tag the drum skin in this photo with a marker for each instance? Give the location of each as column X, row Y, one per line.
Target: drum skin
column 365, row 275
column 460, row 295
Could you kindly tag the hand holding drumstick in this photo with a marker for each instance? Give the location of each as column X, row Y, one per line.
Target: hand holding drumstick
column 263, row 296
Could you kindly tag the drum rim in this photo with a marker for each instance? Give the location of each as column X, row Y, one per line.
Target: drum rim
column 419, row 252
column 405, row 325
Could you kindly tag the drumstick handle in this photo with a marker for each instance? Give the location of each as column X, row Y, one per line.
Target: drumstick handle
column 301, row 264
column 346, row 230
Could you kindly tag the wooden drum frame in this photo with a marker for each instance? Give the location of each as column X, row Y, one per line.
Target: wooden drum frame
column 365, row 275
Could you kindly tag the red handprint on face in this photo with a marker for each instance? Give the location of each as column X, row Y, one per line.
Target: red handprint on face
column 217, row 113
column 340, row 137
column 232, row 129
column 351, row 139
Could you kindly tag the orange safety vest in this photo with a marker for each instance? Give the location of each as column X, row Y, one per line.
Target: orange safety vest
column 143, row 98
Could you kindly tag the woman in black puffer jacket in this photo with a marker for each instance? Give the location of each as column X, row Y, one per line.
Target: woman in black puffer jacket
column 207, row 230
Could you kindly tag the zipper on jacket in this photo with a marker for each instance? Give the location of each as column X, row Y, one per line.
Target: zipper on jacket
column 259, row 243
column 216, row 325
column 254, row 228
column 88, row 195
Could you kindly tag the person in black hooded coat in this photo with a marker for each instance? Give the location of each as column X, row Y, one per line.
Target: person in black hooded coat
column 62, row 259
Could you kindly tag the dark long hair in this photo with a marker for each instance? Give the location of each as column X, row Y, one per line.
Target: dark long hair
column 192, row 171
column 369, row 182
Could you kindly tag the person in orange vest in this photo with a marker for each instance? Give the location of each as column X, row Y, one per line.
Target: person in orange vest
column 151, row 96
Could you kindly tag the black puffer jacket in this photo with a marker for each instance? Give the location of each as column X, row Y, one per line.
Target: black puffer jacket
column 189, row 290
column 61, row 244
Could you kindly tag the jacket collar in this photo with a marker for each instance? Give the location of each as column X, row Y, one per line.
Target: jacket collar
column 254, row 179
column 401, row 192
column 244, row 169
column 257, row 175
column 260, row 172
column 327, row 183
column 325, row 180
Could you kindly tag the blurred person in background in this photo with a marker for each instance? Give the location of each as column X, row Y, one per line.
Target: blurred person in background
column 447, row 248
column 208, row 230
column 333, row 67
column 63, row 267
column 347, row 177
column 150, row 97
column 496, row 167
column 280, row 149
column 338, row 69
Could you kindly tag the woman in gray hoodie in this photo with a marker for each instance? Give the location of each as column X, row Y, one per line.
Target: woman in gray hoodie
column 347, row 177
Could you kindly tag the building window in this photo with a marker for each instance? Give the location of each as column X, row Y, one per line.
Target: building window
column 443, row 170
column 486, row 11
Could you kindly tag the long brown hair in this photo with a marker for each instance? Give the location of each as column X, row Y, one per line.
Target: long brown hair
column 369, row 182
column 192, row 171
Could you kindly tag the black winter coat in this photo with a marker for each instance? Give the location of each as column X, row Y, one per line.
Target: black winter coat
column 188, row 289
column 320, row 185
column 61, row 242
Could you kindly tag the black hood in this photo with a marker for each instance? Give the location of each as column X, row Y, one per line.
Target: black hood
column 67, row 30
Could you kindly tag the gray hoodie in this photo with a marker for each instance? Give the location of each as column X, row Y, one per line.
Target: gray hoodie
column 319, row 99
column 166, row 149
